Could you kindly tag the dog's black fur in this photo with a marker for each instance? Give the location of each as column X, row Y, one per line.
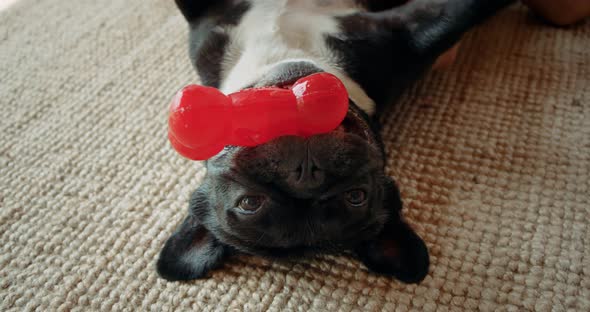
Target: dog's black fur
column 328, row 192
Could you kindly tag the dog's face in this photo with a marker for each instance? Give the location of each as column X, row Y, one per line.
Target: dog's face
column 293, row 194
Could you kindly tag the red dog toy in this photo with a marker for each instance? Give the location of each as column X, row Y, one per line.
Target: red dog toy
column 203, row 120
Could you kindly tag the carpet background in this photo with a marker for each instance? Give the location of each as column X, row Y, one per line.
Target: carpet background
column 492, row 157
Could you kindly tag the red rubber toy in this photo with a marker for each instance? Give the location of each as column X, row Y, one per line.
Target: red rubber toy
column 203, row 120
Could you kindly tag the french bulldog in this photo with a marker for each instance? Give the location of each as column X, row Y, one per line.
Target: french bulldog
column 329, row 192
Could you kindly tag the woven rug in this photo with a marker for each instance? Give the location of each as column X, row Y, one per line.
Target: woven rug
column 492, row 158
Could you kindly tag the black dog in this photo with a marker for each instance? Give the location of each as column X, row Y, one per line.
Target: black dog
column 328, row 192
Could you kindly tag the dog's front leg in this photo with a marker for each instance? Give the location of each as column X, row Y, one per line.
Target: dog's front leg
column 433, row 27
column 386, row 50
column 209, row 23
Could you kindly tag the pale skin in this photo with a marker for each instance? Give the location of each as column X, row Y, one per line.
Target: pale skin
column 562, row 12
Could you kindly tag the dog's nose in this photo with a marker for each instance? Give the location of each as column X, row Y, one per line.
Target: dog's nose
column 309, row 172
column 308, row 175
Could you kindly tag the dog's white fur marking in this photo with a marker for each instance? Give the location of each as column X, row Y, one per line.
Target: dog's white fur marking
column 275, row 31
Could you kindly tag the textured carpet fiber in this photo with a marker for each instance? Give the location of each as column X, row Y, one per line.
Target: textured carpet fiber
column 492, row 157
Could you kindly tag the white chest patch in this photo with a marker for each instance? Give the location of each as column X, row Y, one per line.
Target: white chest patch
column 275, row 31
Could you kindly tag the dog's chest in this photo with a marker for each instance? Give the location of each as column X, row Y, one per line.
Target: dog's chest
column 275, row 31
column 279, row 27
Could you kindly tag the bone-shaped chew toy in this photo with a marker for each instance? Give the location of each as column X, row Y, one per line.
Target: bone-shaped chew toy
column 203, row 120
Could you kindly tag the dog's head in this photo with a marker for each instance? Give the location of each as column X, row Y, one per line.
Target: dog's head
column 293, row 195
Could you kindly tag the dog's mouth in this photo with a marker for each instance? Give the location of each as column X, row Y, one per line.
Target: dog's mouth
column 286, row 74
column 286, row 84
column 353, row 123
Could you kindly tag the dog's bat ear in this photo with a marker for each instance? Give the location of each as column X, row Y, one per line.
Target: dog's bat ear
column 192, row 251
column 435, row 26
column 397, row 250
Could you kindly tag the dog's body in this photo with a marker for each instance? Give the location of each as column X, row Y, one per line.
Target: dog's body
column 328, row 192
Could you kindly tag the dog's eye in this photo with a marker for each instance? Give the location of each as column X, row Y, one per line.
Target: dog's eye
column 356, row 197
column 250, row 204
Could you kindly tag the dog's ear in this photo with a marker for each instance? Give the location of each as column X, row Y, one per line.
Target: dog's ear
column 192, row 251
column 397, row 250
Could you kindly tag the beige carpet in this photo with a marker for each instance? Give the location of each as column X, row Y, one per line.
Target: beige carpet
column 493, row 159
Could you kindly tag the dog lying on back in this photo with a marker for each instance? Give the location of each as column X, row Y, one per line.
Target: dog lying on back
column 328, row 192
